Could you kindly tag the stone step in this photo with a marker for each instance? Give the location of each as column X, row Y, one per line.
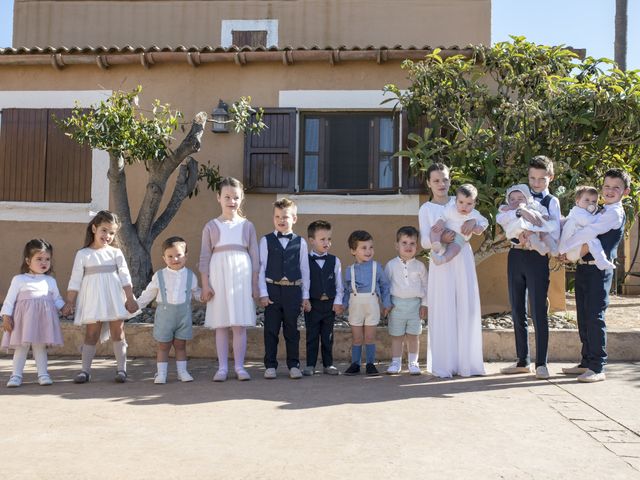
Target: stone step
column 564, row 345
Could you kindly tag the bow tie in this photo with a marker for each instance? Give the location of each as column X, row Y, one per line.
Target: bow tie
column 537, row 195
column 319, row 257
column 285, row 235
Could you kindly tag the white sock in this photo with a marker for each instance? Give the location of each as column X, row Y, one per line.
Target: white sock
column 162, row 369
column 19, row 359
column 397, row 359
column 413, row 357
column 222, row 346
column 181, row 366
column 88, row 352
column 120, row 351
column 40, row 356
column 239, row 347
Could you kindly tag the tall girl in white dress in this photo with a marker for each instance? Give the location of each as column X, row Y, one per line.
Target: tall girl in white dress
column 101, row 294
column 30, row 312
column 455, row 331
column 229, row 266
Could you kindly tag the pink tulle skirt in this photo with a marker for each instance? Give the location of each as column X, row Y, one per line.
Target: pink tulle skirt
column 35, row 320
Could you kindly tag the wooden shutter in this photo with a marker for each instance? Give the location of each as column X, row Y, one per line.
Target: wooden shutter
column 412, row 181
column 23, row 147
column 250, row 38
column 38, row 163
column 68, row 165
column 269, row 157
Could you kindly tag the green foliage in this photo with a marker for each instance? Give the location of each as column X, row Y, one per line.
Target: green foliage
column 487, row 115
column 211, row 175
column 118, row 127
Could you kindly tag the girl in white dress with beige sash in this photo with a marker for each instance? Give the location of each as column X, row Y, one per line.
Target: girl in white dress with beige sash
column 454, row 341
column 101, row 294
column 229, row 266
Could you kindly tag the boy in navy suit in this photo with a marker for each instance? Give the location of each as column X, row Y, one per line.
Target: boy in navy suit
column 284, row 287
column 528, row 272
column 592, row 284
column 325, row 294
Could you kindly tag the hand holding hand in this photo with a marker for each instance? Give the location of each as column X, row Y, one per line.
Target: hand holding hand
column 264, row 302
column 206, row 294
column 131, row 305
column 306, row 305
column 67, row 309
column 338, row 309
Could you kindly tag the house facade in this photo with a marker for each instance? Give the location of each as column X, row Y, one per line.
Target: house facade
column 316, row 67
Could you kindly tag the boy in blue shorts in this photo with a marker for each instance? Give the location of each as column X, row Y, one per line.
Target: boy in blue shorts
column 172, row 288
column 408, row 278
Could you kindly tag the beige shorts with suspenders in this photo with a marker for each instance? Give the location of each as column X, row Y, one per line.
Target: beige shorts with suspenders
column 364, row 308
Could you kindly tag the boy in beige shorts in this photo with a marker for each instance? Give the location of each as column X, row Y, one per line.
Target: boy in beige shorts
column 365, row 286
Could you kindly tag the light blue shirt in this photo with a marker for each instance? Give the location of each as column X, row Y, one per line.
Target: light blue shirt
column 364, row 274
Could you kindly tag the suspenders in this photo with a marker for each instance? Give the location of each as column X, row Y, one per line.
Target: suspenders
column 163, row 289
column 354, row 291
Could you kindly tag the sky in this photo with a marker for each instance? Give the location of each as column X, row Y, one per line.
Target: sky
column 577, row 23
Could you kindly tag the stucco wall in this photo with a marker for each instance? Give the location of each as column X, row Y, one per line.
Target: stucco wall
column 195, row 89
column 301, row 22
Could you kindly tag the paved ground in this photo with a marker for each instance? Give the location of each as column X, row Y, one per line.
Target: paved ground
column 321, row 427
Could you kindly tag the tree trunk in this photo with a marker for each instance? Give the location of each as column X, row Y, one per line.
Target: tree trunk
column 620, row 43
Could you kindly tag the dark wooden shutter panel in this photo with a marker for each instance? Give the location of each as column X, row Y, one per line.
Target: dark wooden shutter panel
column 412, row 181
column 251, row 38
column 68, row 165
column 269, row 157
column 23, row 140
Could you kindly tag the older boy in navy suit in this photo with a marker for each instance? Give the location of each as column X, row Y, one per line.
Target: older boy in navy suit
column 325, row 293
column 592, row 284
column 528, row 273
column 284, row 287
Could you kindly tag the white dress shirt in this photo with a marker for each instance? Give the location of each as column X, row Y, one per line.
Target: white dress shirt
column 304, row 265
column 408, row 279
column 175, row 283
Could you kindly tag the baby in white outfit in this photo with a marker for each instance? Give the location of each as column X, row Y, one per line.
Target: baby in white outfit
column 538, row 238
column 584, row 213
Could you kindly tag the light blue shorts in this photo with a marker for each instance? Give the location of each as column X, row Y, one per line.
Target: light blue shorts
column 405, row 317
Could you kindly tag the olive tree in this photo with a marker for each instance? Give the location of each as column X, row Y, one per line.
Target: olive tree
column 130, row 136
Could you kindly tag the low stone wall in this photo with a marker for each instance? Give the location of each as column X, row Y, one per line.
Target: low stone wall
column 564, row 345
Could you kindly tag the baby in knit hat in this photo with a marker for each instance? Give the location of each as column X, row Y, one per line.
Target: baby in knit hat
column 536, row 238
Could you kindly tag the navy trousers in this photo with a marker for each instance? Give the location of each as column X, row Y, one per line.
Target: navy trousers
column 282, row 313
column 319, row 322
column 592, row 299
column 528, row 276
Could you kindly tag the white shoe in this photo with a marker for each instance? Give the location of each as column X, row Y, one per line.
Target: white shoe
column 591, row 377
column 220, row 376
column 185, row 376
column 160, row 379
column 577, row 370
column 542, row 372
column 394, row 368
column 242, row 375
column 45, row 380
column 295, row 373
column 270, row 373
column 414, row 369
column 514, row 368
column 14, row 381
